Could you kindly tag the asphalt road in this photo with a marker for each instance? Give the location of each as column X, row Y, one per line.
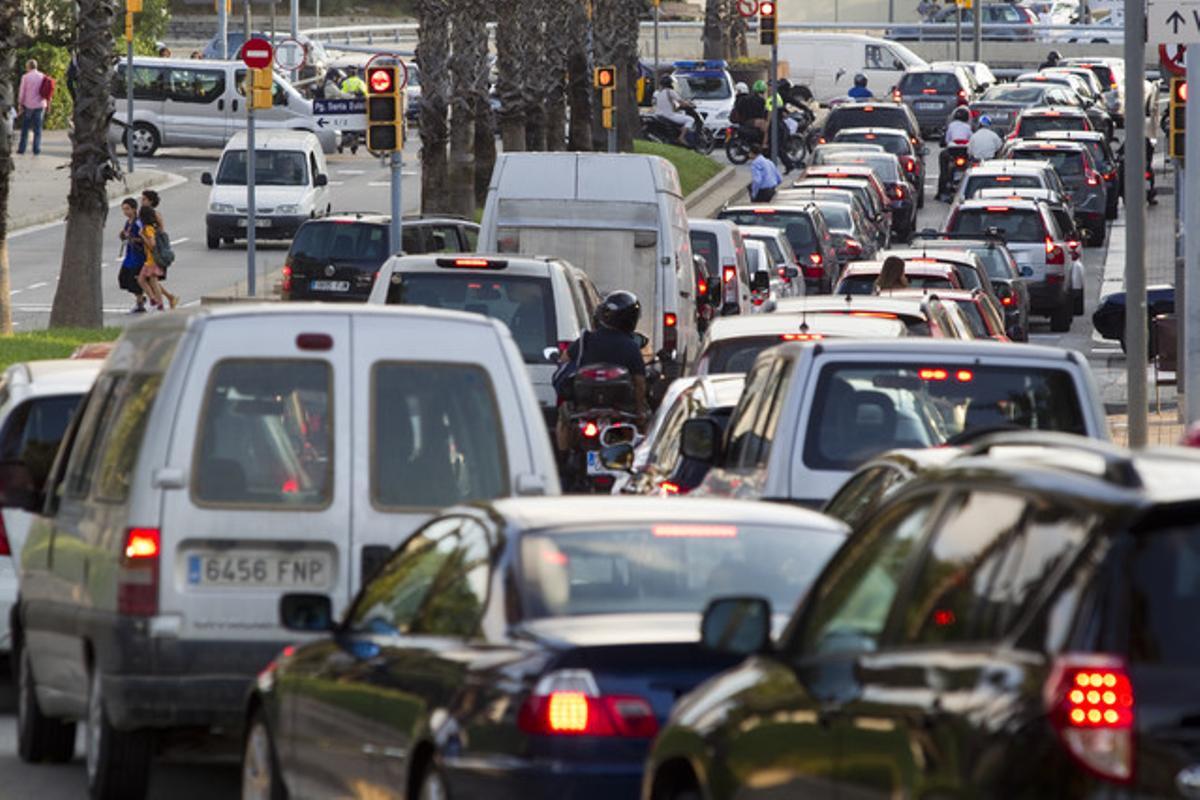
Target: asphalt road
column 359, row 183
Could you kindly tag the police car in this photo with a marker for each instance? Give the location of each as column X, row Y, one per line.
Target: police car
column 709, row 86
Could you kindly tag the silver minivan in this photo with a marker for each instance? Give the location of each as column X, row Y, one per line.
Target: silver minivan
column 224, row 457
column 183, row 102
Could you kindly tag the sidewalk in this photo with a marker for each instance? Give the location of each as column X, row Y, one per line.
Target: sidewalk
column 40, row 184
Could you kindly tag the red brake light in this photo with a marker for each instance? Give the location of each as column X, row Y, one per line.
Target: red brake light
column 870, row 136
column 580, row 710
column 910, row 164
column 5, row 547
column 472, row 263
column 669, row 488
column 137, row 575
column 1090, row 703
column 669, row 320
column 960, row 161
column 815, row 258
column 962, row 97
column 729, row 274
column 874, row 314
column 600, row 373
column 1007, row 300
column 1054, row 253
column 899, row 191
column 764, row 211
column 853, row 247
column 929, row 91
column 802, row 337
column 868, row 108
column 314, row 341
column 563, row 346
column 141, row 543
column 589, row 430
column 670, row 332
column 997, row 209
column 1003, row 179
column 964, row 376
column 1092, row 178
column 932, row 374
column 897, row 97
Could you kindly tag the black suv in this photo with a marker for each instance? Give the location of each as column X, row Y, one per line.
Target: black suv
column 1017, row 623
column 872, row 114
column 337, row 257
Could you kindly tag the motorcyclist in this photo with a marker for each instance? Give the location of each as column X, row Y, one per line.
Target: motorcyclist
column 611, row 342
column 354, row 85
column 1052, row 59
column 958, row 133
column 860, row 91
column 331, row 87
column 985, row 143
column 668, row 105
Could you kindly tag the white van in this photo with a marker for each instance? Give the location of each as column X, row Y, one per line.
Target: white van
column 291, row 186
column 720, row 244
column 827, row 62
column 224, row 457
column 183, row 102
column 619, row 218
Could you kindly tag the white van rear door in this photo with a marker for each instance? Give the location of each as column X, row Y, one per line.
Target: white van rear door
column 439, row 419
column 262, row 439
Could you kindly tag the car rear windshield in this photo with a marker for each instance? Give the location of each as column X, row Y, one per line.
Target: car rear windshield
column 897, row 145
column 701, row 86
column 974, row 318
column 326, row 242
column 837, row 216
column 1025, row 95
column 865, row 284
column 861, row 410
column 34, row 430
column 1068, row 164
column 1164, row 576
column 1015, row 224
column 774, row 251
column 796, row 226
column 666, row 568
column 704, row 244
column 938, row 82
column 276, row 168
column 738, row 354
column 995, row 261
column 1104, row 73
column 977, row 183
column 887, row 169
column 1033, row 125
column 525, row 304
column 866, row 117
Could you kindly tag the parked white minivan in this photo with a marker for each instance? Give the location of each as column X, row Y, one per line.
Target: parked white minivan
column 619, row 218
column 228, row 455
column 183, row 102
column 291, row 186
column 828, row 62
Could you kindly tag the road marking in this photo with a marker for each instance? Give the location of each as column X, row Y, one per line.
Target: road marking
column 194, row 168
column 1105, row 351
column 171, row 184
column 37, row 285
column 15, row 292
column 188, row 238
column 337, row 183
column 351, row 172
column 380, row 183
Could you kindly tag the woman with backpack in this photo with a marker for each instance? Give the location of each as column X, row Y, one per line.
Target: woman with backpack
column 152, row 273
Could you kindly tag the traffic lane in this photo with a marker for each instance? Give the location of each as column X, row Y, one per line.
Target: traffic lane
column 359, row 183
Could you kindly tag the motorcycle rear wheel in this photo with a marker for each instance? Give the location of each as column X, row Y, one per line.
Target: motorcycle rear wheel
column 736, row 150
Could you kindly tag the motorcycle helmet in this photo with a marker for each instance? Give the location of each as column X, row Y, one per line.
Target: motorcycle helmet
column 1054, row 57
column 962, row 114
column 666, row 82
column 985, row 121
column 741, row 88
column 860, row 80
column 760, row 87
column 620, row 311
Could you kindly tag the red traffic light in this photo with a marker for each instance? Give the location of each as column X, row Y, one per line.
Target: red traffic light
column 605, row 77
column 766, row 8
column 1181, row 91
column 381, row 79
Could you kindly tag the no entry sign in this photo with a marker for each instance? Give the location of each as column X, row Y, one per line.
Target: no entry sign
column 257, row 53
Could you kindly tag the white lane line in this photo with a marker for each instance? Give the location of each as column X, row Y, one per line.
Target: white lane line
column 351, row 171
column 15, row 292
column 37, row 285
column 183, row 239
column 337, row 183
column 191, row 167
column 380, row 183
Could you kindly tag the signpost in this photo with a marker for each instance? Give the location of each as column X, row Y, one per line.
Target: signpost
column 257, row 55
column 387, row 76
column 131, row 8
column 290, row 55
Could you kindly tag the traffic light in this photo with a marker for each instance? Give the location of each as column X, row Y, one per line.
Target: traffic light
column 1178, row 117
column 605, row 79
column 260, row 88
column 133, row 6
column 768, row 19
column 385, row 109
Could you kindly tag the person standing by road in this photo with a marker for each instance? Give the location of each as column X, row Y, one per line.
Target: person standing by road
column 764, row 176
column 31, row 106
column 134, row 255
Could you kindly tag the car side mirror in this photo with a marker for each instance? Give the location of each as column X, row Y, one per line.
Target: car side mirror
column 898, row 65
column 551, row 354
column 760, row 282
column 306, row 613
column 700, row 440
column 791, row 273
column 17, row 487
column 618, row 457
column 206, row 179
column 322, row 180
column 737, row 625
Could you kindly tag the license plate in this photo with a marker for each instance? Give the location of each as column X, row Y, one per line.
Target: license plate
column 594, row 465
column 258, row 223
column 927, row 106
column 331, row 286
column 260, row 570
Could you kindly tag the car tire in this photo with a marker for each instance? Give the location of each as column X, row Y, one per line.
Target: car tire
column 212, row 240
column 1077, row 301
column 1098, row 234
column 39, row 738
column 143, row 139
column 118, row 762
column 1060, row 318
column 260, row 766
column 433, row 784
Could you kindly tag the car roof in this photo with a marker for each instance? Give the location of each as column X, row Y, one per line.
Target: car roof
column 375, row 217
column 982, row 202
column 878, row 131
column 914, row 255
column 955, row 243
column 1007, row 166
column 1072, row 136
column 1048, row 196
column 761, row 231
column 720, row 389
column 583, row 512
column 256, row 312
column 54, row 376
column 767, row 210
column 712, row 225
column 434, row 262
column 1052, row 145
column 1053, row 111
column 956, row 295
column 978, row 350
column 742, row 327
column 925, row 269
column 868, row 303
column 867, row 104
column 274, row 138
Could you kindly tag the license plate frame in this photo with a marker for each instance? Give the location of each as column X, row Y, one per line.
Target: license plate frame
column 330, row 286
column 927, row 106
column 594, row 467
column 258, row 569
column 259, row 222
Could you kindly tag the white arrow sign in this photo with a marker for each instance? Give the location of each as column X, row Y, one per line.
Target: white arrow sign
column 1173, row 22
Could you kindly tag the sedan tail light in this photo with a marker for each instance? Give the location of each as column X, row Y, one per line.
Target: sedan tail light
column 816, row 270
column 1089, row 702
column 5, row 547
column 1054, row 253
column 569, row 703
column 910, row 163
column 898, row 190
column 287, row 277
column 853, row 248
column 962, row 97
column 137, row 574
column 1093, row 178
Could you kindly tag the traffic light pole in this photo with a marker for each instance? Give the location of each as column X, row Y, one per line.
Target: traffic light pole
column 1136, row 326
column 958, row 32
column 773, row 117
column 977, row 19
column 129, row 101
column 397, row 227
column 251, row 209
column 1191, row 243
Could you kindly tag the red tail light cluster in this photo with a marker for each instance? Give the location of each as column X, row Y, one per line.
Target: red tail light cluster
column 568, row 703
column 1093, row 178
column 670, row 332
column 287, row 278
column 899, row 191
column 1054, row 253
column 1090, row 703
column 5, row 547
column 137, row 575
column 910, row 163
column 589, row 429
column 962, row 97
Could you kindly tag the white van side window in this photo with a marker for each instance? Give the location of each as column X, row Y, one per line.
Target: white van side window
column 266, row 435
column 876, row 57
column 122, row 442
column 91, row 429
column 195, row 85
column 437, row 438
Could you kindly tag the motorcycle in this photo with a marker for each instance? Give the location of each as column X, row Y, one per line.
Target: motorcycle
column 664, row 131
column 602, row 396
column 958, row 162
column 796, row 144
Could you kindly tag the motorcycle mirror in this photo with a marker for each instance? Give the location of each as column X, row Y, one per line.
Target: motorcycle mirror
column 618, row 457
column 551, row 354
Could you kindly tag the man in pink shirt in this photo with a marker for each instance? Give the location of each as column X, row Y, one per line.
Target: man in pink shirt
column 32, row 106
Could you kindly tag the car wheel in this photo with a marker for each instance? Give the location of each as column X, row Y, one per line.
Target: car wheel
column 1098, row 234
column 213, row 241
column 1060, row 318
column 118, row 762
column 260, row 768
column 1077, row 301
column 433, row 785
column 39, row 738
column 143, row 139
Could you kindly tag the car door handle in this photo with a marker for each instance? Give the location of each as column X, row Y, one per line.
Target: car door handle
column 234, row 106
column 221, row 104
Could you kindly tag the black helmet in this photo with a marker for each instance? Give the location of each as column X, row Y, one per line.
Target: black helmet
column 860, row 80
column 620, row 311
column 962, row 114
column 1054, row 57
column 666, row 82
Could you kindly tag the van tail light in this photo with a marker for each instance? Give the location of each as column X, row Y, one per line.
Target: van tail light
column 853, row 248
column 563, row 346
column 5, row 547
column 1090, row 704
column 569, row 703
column 287, row 278
column 137, row 574
column 670, row 332
column 729, row 285
column 1054, row 253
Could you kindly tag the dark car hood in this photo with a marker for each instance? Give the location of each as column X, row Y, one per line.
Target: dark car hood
column 598, row 630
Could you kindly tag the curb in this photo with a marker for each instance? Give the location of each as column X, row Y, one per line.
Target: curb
column 237, row 293
column 117, row 190
column 709, row 188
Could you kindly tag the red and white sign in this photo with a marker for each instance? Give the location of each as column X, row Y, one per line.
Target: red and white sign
column 1173, row 58
column 747, row 8
column 290, row 55
column 257, row 53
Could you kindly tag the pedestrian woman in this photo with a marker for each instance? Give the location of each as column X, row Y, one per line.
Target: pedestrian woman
column 891, row 275
column 134, row 256
column 151, row 273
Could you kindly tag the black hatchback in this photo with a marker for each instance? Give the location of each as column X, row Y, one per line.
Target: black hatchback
column 1018, row 623
column 337, row 257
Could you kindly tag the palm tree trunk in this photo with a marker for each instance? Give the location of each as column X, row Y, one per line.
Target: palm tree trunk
column 536, row 69
column 11, row 29
column 485, row 147
column 78, row 297
column 558, row 51
column 510, row 65
column 433, row 56
column 579, row 76
column 468, row 60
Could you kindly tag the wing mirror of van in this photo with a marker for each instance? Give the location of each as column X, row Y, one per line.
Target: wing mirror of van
column 321, row 180
column 306, row 613
column 713, row 296
column 206, row 178
column 701, row 440
column 737, row 625
column 17, row 488
column 760, row 282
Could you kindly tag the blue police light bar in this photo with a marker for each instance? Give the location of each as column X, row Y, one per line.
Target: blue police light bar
column 713, row 64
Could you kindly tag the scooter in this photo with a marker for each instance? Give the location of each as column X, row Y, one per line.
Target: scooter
column 602, row 395
column 664, row 131
column 958, row 162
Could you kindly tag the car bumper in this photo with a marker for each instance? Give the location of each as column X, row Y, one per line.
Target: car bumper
column 903, row 215
column 544, row 780
column 1045, row 297
column 266, row 227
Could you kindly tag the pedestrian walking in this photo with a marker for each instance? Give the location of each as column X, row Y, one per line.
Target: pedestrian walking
column 891, row 275
column 133, row 257
column 31, row 105
column 151, row 273
column 764, row 176
column 164, row 253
